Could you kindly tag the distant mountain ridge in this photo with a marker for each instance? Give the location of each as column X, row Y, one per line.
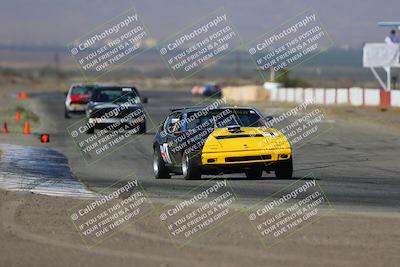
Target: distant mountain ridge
column 49, row 22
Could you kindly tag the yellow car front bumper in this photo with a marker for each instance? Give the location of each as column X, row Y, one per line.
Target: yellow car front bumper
column 244, row 157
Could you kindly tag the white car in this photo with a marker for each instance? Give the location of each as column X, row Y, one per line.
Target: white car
column 77, row 98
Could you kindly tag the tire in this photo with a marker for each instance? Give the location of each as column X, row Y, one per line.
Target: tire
column 254, row 173
column 190, row 169
column 90, row 130
column 284, row 170
column 142, row 128
column 159, row 169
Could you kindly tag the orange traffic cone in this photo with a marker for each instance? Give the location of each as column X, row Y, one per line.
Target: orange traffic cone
column 5, row 129
column 27, row 130
column 23, row 95
column 18, row 116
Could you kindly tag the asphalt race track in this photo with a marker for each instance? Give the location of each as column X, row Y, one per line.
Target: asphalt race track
column 355, row 163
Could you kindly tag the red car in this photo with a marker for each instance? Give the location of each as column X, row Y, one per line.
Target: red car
column 77, row 98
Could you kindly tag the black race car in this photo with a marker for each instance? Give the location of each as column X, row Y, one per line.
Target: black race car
column 196, row 141
column 115, row 107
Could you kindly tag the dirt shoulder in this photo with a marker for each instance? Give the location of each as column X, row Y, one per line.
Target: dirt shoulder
column 32, row 224
column 9, row 105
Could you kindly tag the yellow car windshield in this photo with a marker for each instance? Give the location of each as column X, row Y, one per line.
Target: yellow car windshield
column 221, row 118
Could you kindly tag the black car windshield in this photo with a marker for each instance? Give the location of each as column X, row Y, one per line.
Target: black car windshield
column 81, row 90
column 116, row 94
column 221, row 118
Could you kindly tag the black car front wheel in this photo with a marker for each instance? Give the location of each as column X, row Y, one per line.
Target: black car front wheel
column 90, row 130
column 142, row 128
column 190, row 170
column 159, row 169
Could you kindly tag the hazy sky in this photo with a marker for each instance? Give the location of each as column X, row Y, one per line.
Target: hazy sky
column 350, row 23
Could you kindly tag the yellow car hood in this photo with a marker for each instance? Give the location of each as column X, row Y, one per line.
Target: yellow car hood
column 247, row 138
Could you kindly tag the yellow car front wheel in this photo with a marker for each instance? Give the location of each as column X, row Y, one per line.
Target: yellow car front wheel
column 284, row 169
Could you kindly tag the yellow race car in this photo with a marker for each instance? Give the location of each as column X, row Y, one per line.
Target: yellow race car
column 202, row 140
